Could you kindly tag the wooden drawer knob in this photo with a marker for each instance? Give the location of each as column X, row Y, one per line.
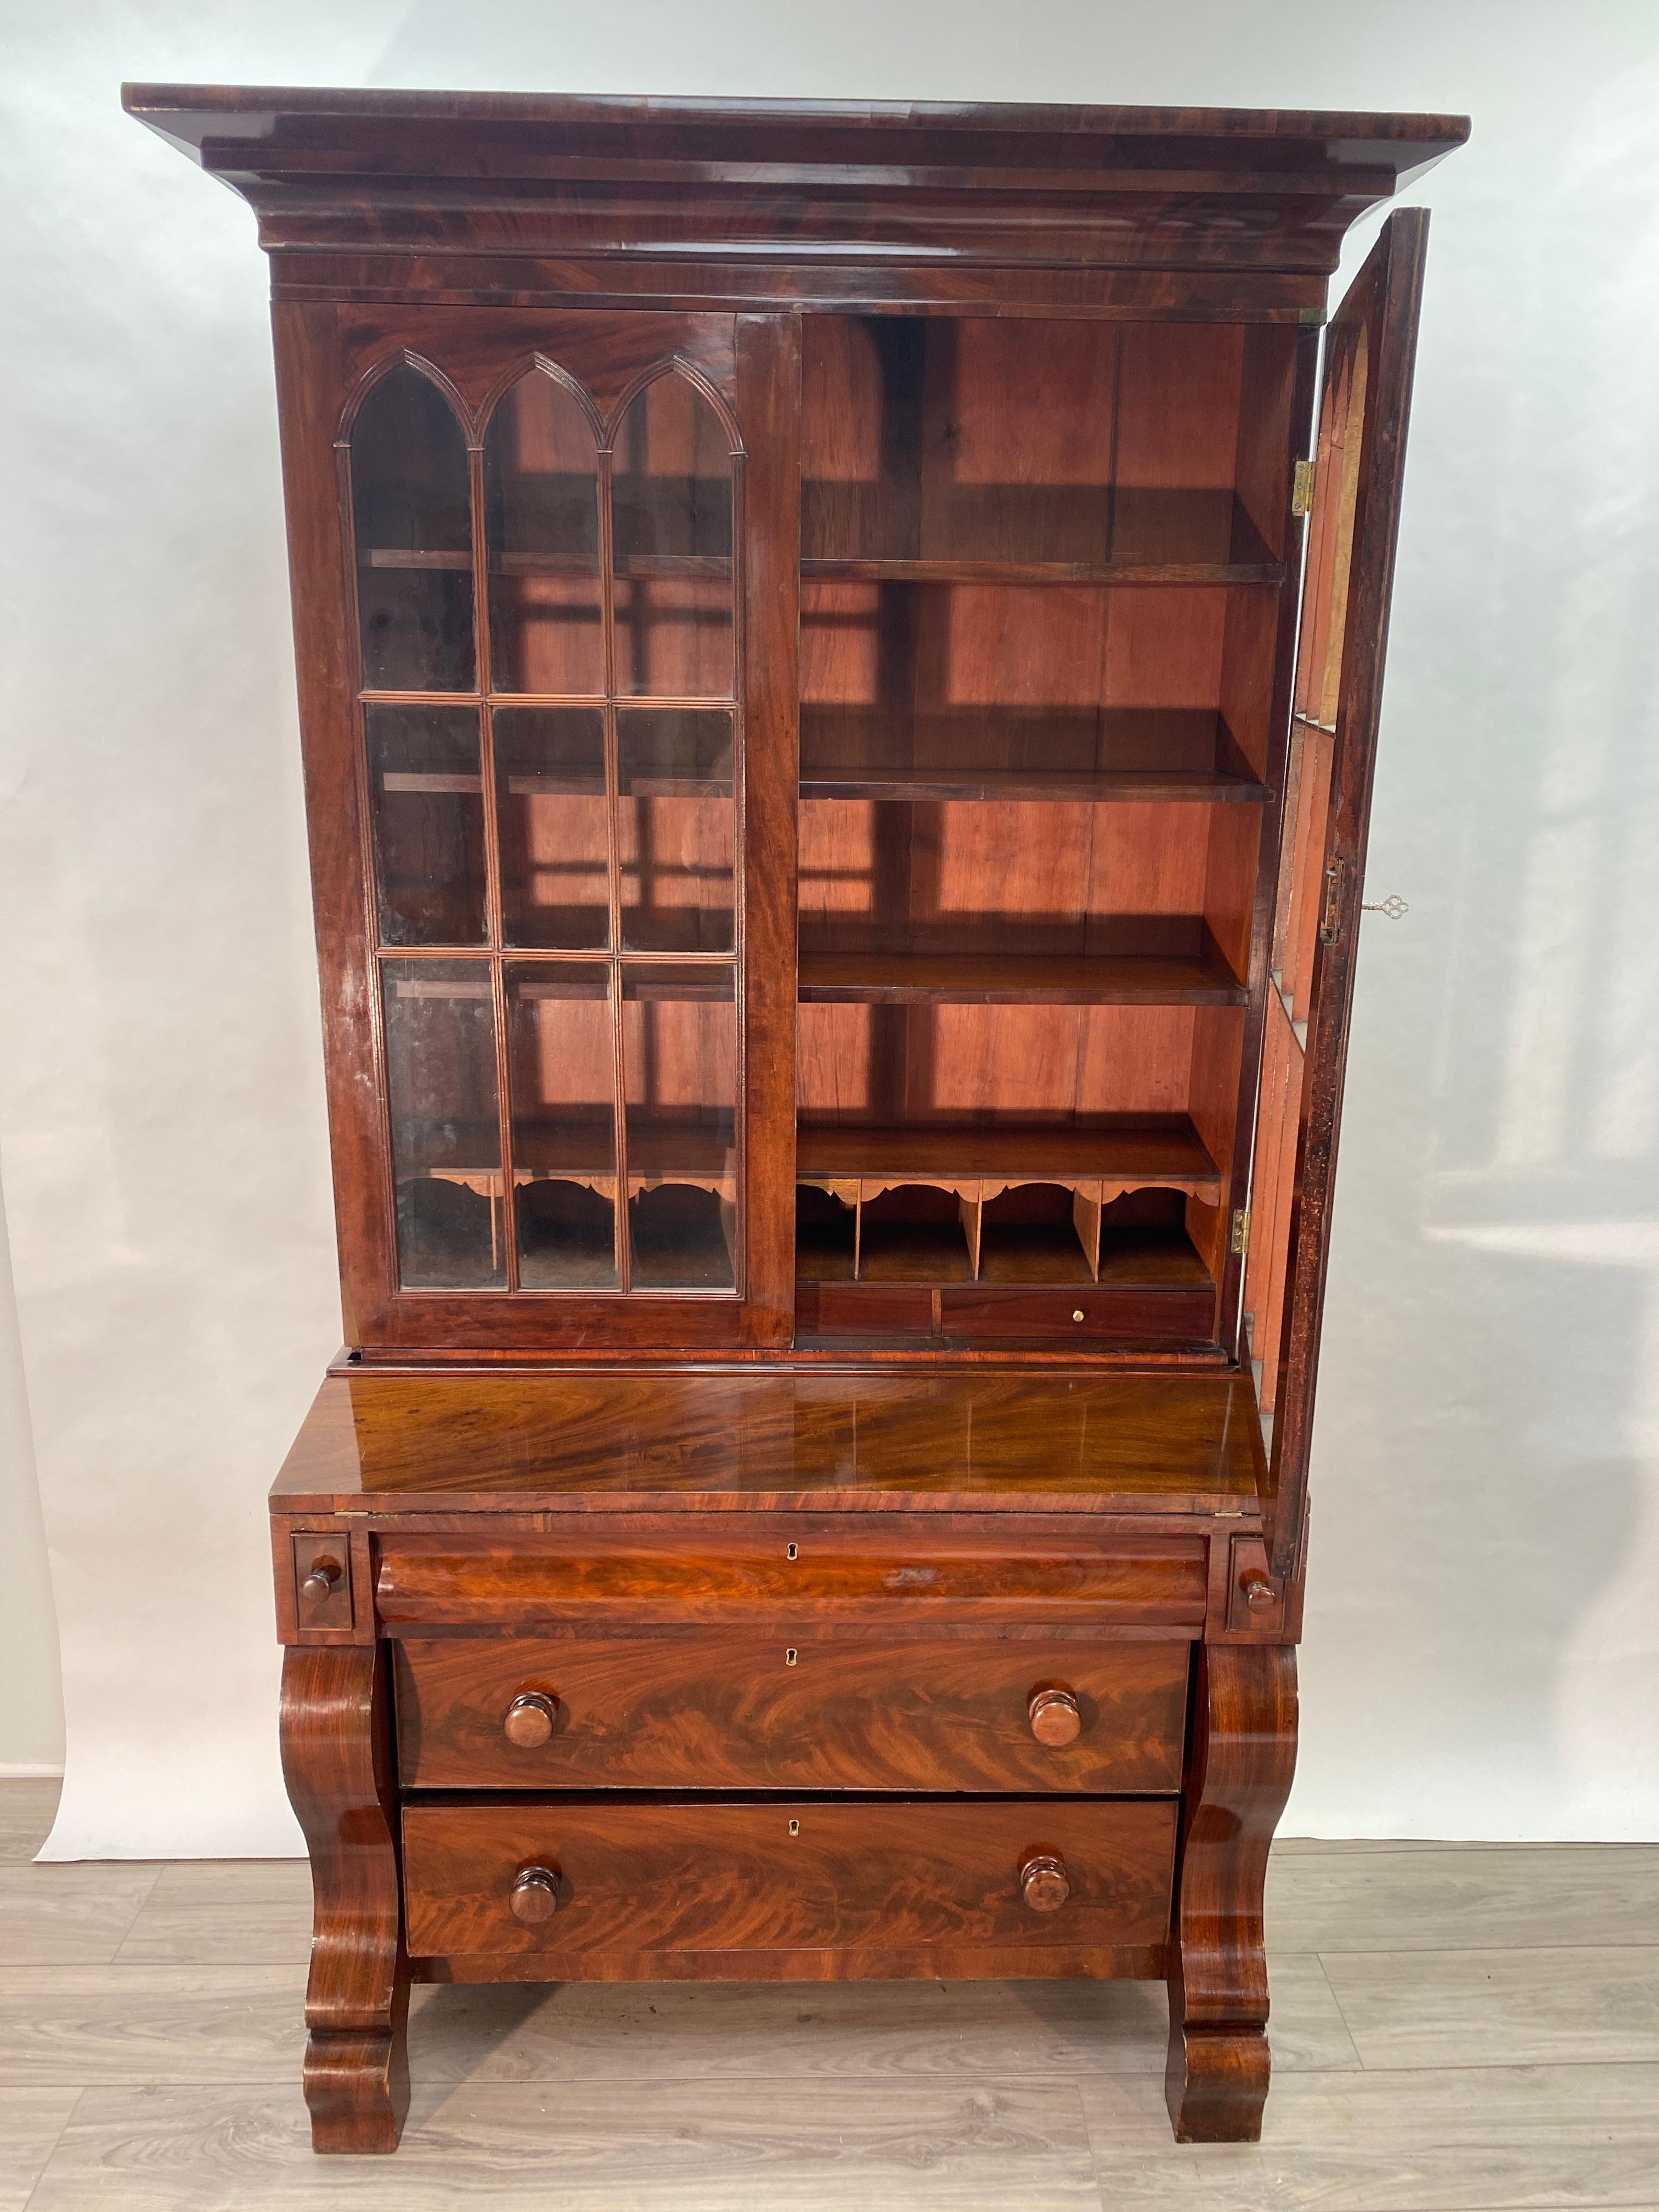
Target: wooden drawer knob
column 529, row 1719
column 535, row 1896
column 1044, row 1883
column 322, row 1581
column 1259, row 1592
column 1054, row 1717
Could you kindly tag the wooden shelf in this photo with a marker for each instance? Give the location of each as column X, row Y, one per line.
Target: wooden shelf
column 438, row 783
column 1031, row 533
column 410, row 556
column 1120, row 787
column 860, row 571
column 585, row 1151
column 431, row 783
column 1123, row 979
column 1130, row 755
column 1129, row 1154
column 643, row 566
column 672, row 786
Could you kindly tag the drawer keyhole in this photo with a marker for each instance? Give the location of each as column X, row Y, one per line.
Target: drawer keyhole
column 791, row 1552
column 790, row 1657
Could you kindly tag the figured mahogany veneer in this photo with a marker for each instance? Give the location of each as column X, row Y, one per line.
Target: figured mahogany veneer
column 800, row 1568
column 840, row 650
column 982, row 1440
column 735, row 1710
column 788, row 1888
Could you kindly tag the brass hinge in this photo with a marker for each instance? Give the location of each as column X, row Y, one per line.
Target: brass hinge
column 1330, row 920
column 1240, row 1229
column 1302, row 488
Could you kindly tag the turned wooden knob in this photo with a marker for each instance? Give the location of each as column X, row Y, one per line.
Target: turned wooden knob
column 321, row 1581
column 534, row 1896
column 1055, row 1717
column 529, row 1719
column 1044, row 1883
column 1259, row 1592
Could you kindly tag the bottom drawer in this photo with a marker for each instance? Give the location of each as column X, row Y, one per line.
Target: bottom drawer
column 804, row 1889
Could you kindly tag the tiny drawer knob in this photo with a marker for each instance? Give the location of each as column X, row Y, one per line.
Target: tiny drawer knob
column 1077, row 1313
column 1044, row 1883
column 1054, row 1717
column 529, row 1720
column 535, row 1896
column 1259, row 1592
column 322, row 1581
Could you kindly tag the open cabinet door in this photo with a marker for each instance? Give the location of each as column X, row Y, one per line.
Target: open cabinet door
column 1352, row 525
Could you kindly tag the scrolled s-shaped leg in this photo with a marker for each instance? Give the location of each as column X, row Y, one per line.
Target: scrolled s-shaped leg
column 1243, row 1756
column 338, row 1761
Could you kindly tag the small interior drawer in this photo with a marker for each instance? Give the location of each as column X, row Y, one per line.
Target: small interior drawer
column 1086, row 1313
column 725, row 1711
column 788, row 1887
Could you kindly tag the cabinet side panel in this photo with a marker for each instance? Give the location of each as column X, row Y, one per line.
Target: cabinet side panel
column 309, row 398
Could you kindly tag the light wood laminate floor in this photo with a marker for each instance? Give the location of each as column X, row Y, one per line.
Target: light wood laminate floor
column 1457, row 2028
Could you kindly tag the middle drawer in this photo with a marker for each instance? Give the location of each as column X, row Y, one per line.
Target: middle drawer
column 714, row 1711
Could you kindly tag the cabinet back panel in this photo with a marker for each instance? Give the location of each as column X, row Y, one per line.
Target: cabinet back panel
column 951, row 1064
column 1029, row 877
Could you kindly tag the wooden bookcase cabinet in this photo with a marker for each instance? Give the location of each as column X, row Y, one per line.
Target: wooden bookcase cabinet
column 839, row 656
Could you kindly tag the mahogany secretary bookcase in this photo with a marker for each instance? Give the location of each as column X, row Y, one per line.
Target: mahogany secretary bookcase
column 839, row 656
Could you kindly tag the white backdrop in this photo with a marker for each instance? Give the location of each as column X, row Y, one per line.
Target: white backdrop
column 1479, row 1658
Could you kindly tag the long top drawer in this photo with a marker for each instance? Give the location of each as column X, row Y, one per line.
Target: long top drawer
column 741, row 1567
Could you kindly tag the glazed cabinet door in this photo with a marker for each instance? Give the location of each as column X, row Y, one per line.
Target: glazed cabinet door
column 1352, row 524
column 544, row 585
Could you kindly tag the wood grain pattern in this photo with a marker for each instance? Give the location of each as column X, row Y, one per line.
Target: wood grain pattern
column 800, row 1568
column 734, row 1711
column 1460, row 1897
column 941, row 2146
column 69, row 1915
column 1240, row 1762
column 1076, row 1441
column 1377, row 321
column 338, row 1761
column 1102, row 187
column 733, row 1887
column 30, row 2123
column 936, row 461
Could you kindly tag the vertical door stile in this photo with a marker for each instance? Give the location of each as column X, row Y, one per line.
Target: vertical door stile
column 624, row 1242
column 495, row 929
column 767, row 558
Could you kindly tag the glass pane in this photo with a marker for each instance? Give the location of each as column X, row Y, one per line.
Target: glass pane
column 426, row 798
column 554, row 826
column 562, row 1085
column 446, row 1138
column 541, row 530
column 412, row 503
column 674, row 830
column 671, row 504
column 680, row 1061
